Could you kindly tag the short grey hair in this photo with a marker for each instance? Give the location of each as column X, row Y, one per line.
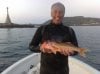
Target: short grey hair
column 58, row 5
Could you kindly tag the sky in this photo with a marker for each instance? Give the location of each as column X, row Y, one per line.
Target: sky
column 38, row 11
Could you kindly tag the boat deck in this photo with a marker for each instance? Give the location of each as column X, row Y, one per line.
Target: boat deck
column 31, row 65
column 75, row 68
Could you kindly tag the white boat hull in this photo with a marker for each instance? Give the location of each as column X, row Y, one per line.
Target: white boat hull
column 30, row 65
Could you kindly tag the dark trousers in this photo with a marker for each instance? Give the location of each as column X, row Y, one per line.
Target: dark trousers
column 50, row 71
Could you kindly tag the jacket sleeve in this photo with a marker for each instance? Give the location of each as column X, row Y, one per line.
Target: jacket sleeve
column 36, row 40
column 73, row 40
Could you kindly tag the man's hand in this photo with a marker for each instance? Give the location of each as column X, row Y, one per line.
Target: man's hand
column 66, row 52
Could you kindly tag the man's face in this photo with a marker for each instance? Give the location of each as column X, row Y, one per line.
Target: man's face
column 57, row 15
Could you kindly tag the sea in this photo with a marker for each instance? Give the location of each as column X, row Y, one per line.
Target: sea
column 14, row 44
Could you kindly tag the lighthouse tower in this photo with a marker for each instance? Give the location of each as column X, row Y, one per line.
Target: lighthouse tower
column 8, row 20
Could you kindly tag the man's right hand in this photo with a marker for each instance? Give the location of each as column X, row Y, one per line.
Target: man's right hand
column 66, row 52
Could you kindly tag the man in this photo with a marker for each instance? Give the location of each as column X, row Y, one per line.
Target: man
column 54, row 31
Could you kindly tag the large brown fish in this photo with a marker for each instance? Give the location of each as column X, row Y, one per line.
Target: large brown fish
column 68, row 46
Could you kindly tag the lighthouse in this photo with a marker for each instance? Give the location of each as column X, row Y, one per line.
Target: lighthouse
column 8, row 20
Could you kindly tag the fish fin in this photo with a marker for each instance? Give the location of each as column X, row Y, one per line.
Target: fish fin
column 83, row 52
column 54, row 51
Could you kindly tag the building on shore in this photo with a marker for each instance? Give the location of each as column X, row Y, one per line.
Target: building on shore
column 8, row 23
column 7, row 20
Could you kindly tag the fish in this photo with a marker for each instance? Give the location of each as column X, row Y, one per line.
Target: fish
column 58, row 46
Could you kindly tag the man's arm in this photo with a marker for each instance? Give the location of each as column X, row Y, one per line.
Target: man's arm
column 73, row 40
column 34, row 45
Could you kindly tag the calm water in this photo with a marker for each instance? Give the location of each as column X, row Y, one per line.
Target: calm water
column 14, row 44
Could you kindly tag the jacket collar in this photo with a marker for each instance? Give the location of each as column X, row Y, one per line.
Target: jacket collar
column 56, row 25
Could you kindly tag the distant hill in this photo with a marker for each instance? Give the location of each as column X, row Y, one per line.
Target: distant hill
column 68, row 21
column 80, row 21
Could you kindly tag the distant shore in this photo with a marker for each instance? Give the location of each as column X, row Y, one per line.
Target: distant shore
column 13, row 25
column 67, row 21
column 17, row 26
column 32, row 26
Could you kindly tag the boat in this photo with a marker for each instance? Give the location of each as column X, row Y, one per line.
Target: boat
column 31, row 65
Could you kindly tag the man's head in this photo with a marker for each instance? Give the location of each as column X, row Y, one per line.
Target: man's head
column 57, row 12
